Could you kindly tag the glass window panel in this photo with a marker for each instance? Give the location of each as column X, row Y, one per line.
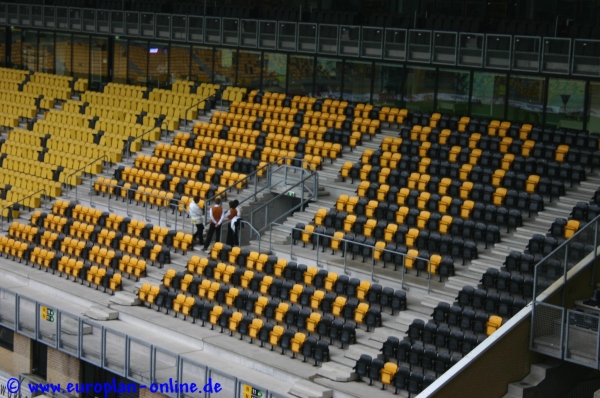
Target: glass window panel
column 565, row 103
column 2, row 47
column 202, row 64
column 301, row 69
column 158, row 63
column 81, row 56
column 225, row 66
column 387, row 88
column 489, row 94
column 179, row 63
column 29, row 48
column 137, row 67
column 594, row 112
column 63, row 54
column 525, row 99
column 419, row 91
column 99, row 63
column 120, row 62
column 249, row 69
column 357, row 81
column 328, row 78
column 453, row 91
column 15, row 49
column 275, row 72
column 46, row 52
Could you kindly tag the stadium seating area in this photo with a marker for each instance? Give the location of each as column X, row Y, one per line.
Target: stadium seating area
column 442, row 190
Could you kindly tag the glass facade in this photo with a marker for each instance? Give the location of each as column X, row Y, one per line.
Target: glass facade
column 99, row 60
column 328, row 78
column 63, row 54
column 202, row 64
column 179, row 62
column 158, row 64
column 387, row 87
column 248, row 74
column 559, row 101
column 46, row 52
column 357, row 81
column 525, row 99
column 565, row 106
column 225, row 66
column 301, row 74
column 137, row 67
column 120, row 61
column 593, row 115
column 81, row 56
column 488, row 99
column 274, row 72
column 419, row 92
column 29, row 49
column 453, row 91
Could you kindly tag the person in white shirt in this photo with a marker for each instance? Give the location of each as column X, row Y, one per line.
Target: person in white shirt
column 196, row 215
column 217, row 215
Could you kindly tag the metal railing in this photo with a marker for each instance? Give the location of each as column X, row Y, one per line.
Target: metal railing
column 345, row 244
column 142, row 135
column 74, row 174
column 245, row 180
column 136, row 359
column 173, row 204
column 554, row 329
column 195, row 106
column 313, row 194
column 11, row 207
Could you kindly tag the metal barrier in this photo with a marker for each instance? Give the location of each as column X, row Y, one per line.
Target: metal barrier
column 192, row 107
column 582, row 342
column 141, row 137
column 110, row 349
column 254, row 176
column 312, row 194
column 345, row 243
column 547, row 328
column 556, row 264
column 10, row 207
column 68, row 179
column 174, row 204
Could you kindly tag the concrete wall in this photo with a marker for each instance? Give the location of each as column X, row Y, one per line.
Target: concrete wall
column 19, row 360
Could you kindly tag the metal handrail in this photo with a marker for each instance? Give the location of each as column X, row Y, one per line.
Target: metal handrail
column 68, row 179
column 141, row 136
column 18, row 201
column 566, row 244
column 232, row 186
column 173, row 202
column 192, row 107
column 247, row 178
column 302, row 202
column 254, row 230
column 345, row 245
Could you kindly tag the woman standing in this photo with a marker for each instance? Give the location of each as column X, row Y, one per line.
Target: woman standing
column 232, row 217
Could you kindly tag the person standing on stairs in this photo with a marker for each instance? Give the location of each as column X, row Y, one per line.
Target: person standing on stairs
column 216, row 215
column 196, row 216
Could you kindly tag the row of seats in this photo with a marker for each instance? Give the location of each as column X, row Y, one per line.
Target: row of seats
column 48, row 90
column 233, row 94
column 310, row 276
column 236, row 322
column 277, row 307
column 390, row 374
